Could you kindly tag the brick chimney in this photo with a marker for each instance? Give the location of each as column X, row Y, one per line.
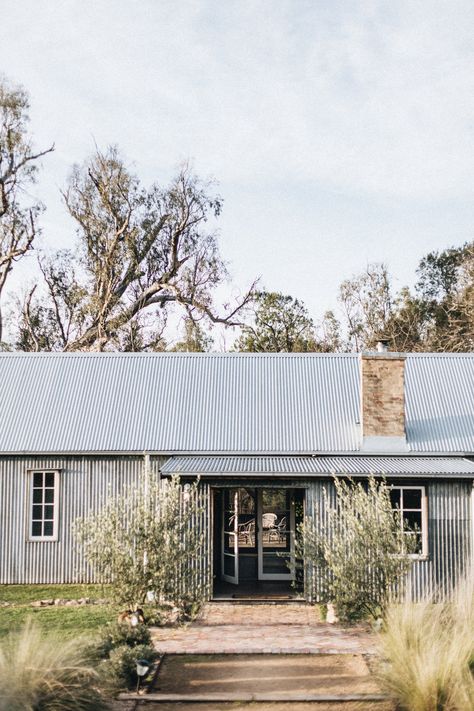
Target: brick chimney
column 382, row 401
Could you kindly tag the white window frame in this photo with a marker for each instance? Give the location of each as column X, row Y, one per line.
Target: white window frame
column 424, row 518
column 55, row 504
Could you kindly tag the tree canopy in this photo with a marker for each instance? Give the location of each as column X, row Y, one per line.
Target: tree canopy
column 138, row 251
column 18, row 169
column 281, row 324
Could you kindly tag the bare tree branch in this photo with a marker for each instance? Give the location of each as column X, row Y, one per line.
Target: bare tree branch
column 137, row 249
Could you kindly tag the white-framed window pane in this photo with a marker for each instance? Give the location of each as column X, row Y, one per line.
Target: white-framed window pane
column 49, row 479
column 44, row 505
column 395, row 498
column 48, row 528
column 412, row 499
column 38, row 478
column 37, row 529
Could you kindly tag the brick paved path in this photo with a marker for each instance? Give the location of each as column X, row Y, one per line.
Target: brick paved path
column 228, row 628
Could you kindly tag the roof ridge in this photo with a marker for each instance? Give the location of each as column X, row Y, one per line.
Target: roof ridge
column 169, row 354
column 213, row 354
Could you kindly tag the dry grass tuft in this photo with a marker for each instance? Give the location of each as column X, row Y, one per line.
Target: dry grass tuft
column 429, row 652
column 41, row 672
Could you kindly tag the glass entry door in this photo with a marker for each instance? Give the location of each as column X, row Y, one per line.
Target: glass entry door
column 239, row 530
column 260, row 524
column 276, row 539
column 230, row 538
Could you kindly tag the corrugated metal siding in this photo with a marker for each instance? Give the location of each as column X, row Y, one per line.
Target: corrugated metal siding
column 449, row 537
column 318, row 493
column 85, row 484
column 300, row 466
column 178, row 402
column 195, row 579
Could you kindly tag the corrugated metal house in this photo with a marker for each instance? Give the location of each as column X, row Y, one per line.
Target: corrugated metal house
column 265, row 432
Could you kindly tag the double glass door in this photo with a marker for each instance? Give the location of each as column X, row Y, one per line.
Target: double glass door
column 258, row 523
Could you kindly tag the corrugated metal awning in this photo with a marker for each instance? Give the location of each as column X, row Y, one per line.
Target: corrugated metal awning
column 457, row 467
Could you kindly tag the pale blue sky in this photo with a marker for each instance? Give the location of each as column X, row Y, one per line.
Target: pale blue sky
column 341, row 133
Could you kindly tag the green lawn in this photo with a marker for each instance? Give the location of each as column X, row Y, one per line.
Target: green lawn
column 22, row 594
column 70, row 621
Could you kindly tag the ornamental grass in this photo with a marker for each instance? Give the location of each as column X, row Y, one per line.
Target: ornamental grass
column 428, row 648
column 41, row 672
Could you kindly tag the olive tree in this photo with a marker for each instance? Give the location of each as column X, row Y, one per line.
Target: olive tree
column 149, row 541
column 357, row 547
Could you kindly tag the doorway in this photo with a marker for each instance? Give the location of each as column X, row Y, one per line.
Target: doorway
column 254, row 537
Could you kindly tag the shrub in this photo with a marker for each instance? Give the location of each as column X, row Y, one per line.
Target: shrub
column 149, row 540
column 43, row 672
column 117, row 635
column 357, row 548
column 120, row 668
column 428, row 650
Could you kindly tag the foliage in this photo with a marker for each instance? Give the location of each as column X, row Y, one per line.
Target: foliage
column 446, row 289
column 147, row 540
column 18, row 167
column 357, row 548
column 195, row 339
column 281, row 324
column 438, row 315
column 116, row 651
column 117, row 635
column 120, row 669
column 42, row 672
column 329, row 335
column 367, row 304
column 429, row 652
column 138, row 252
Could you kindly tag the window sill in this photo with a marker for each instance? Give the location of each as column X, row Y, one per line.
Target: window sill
column 40, row 539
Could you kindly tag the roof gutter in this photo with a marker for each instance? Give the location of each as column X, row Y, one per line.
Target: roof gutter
column 228, row 453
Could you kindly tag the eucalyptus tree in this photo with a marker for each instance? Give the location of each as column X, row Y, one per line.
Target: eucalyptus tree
column 194, row 338
column 446, row 289
column 367, row 305
column 280, row 324
column 18, row 170
column 438, row 314
column 138, row 251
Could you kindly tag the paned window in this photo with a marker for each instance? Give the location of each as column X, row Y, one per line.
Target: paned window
column 44, row 505
column 410, row 504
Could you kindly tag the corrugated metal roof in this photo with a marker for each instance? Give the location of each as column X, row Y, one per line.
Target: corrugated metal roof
column 244, row 403
column 358, row 465
column 177, row 402
column 439, row 391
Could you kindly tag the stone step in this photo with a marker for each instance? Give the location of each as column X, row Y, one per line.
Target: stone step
column 257, row 698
